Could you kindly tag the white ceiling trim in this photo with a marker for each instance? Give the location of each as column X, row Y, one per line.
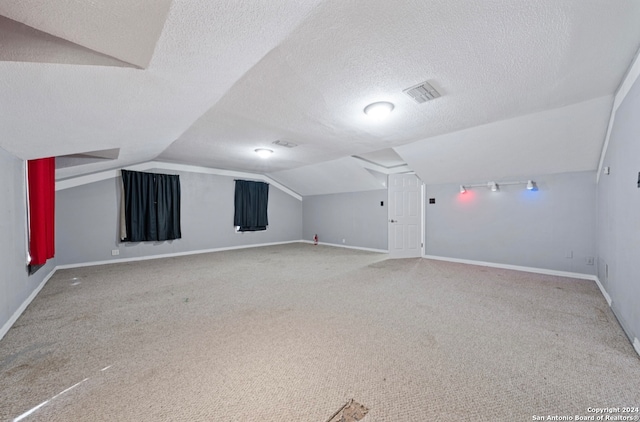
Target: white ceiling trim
column 110, row 174
column 630, row 78
column 379, row 168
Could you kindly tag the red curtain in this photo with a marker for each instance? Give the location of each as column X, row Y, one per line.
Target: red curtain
column 42, row 194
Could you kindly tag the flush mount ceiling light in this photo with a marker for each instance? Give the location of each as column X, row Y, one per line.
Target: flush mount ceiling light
column 378, row 110
column 263, row 152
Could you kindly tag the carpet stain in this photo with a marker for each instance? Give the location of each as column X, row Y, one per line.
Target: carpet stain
column 33, row 371
column 352, row 411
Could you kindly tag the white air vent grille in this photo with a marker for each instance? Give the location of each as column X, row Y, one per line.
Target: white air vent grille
column 283, row 143
column 422, row 93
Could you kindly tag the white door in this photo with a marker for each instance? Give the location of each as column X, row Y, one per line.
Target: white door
column 405, row 216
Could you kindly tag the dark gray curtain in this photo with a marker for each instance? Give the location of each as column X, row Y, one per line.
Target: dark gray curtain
column 251, row 200
column 152, row 206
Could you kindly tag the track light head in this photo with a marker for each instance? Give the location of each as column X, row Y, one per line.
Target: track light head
column 462, row 189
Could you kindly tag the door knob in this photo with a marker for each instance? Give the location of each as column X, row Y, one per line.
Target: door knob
column 393, row 221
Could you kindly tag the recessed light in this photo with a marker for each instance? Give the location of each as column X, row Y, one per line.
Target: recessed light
column 263, row 152
column 378, row 110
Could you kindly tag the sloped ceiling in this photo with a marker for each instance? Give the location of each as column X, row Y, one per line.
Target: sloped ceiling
column 209, row 82
column 123, row 29
column 335, row 176
column 22, row 43
column 570, row 139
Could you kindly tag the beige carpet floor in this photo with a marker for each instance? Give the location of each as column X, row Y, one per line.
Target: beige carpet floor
column 292, row 332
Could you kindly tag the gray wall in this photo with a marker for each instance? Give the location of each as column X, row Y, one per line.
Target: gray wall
column 618, row 205
column 356, row 217
column 516, row 226
column 88, row 220
column 15, row 283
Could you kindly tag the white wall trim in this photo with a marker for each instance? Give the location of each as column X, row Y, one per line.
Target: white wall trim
column 110, row 174
column 7, row 326
column 337, row 245
column 602, row 290
column 169, row 255
column 627, row 83
column 636, row 345
column 402, row 168
column 515, row 267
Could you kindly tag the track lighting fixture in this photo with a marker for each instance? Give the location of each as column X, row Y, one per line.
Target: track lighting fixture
column 495, row 186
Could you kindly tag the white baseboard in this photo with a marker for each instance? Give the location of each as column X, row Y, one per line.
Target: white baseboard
column 169, row 255
column 7, row 326
column 515, row 267
column 636, row 345
column 602, row 290
column 530, row 270
column 337, row 245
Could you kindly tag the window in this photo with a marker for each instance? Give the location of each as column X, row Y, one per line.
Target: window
column 151, row 207
column 251, row 200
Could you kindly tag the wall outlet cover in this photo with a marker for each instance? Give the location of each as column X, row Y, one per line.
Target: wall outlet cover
column 115, row 252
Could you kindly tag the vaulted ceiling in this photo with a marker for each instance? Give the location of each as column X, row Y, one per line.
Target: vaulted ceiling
column 526, row 87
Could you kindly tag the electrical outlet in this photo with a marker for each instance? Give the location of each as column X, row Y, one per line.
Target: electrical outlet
column 569, row 254
column 115, row 252
column 344, row 240
column 590, row 260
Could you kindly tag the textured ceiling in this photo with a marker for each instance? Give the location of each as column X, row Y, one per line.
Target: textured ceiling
column 520, row 81
column 124, row 29
column 22, row 43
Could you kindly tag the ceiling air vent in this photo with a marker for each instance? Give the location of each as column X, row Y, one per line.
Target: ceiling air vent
column 422, row 92
column 283, row 143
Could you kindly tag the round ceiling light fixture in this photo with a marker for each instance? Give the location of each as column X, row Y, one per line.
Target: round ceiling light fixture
column 379, row 110
column 263, row 152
